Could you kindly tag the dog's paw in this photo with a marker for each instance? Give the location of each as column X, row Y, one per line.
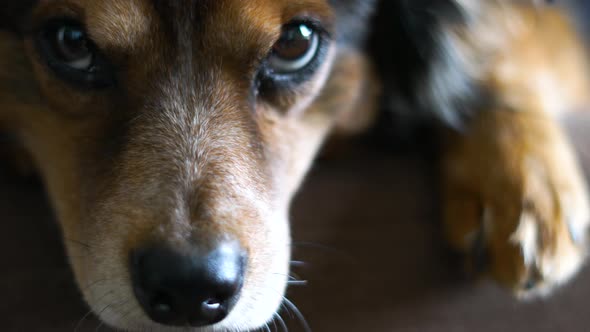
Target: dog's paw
column 519, row 212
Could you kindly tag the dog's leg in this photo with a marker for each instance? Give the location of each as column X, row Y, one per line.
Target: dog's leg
column 515, row 195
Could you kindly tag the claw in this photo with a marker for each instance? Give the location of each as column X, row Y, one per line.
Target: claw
column 535, row 278
column 480, row 258
column 526, row 236
column 530, row 284
column 577, row 234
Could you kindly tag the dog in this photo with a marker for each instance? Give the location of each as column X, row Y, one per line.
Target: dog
column 172, row 135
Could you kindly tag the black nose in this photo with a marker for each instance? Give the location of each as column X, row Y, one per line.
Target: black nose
column 196, row 289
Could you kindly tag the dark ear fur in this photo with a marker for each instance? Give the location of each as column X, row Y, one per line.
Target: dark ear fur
column 17, row 80
column 13, row 14
column 353, row 19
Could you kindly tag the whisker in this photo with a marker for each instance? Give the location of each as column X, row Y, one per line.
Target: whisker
column 284, row 307
column 294, row 313
column 291, row 277
column 79, row 324
column 99, row 326
column 113, row 304
column 128, row 311
column 281, row 322
column 298, row 264
column 293, row 280
column 298, row 314
column 295, row 276
column 79, row 243
column 100, row 281
column 135, row 314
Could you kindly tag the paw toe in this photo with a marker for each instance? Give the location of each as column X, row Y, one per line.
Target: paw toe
column 550, row 255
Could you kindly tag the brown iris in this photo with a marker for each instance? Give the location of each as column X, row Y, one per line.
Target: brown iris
column 295, row 49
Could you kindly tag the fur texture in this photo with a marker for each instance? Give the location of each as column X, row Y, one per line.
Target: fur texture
column 185, row 143
column 497, row 76
column 184, row 146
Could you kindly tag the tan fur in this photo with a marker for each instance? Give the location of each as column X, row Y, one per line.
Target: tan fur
column 182, row 157
column 176, row 154
column 512, row 178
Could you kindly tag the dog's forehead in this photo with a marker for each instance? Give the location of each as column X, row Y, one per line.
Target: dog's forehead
column 118, row 24
column 126, row 24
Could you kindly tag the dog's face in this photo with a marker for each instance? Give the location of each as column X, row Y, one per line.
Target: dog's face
column 172, row 135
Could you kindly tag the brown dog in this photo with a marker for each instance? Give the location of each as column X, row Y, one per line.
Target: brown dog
column 173, row 134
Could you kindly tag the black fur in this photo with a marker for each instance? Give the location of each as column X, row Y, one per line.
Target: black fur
column 13, row 13
column 404, row 38
column 353, row 20
column 405, row 46
column 580, row 10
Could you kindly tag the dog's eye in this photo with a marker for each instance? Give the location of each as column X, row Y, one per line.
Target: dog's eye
column 72, row 47
column 295, row 50
column 71, row 54
column 294, row 59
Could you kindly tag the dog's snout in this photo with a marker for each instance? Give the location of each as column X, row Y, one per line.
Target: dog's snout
column 195, row 288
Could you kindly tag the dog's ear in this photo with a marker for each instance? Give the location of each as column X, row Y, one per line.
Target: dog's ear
column 13, row 14
column 353, row 19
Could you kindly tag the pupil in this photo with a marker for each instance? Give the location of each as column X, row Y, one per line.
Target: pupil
column 294, row 43
column 72, row 43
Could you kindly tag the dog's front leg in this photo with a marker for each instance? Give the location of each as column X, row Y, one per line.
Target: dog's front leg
column 515, row 196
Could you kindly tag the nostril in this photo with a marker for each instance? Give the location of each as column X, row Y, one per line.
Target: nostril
column 212, row 309
column 211, row 304
column 162, row 307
